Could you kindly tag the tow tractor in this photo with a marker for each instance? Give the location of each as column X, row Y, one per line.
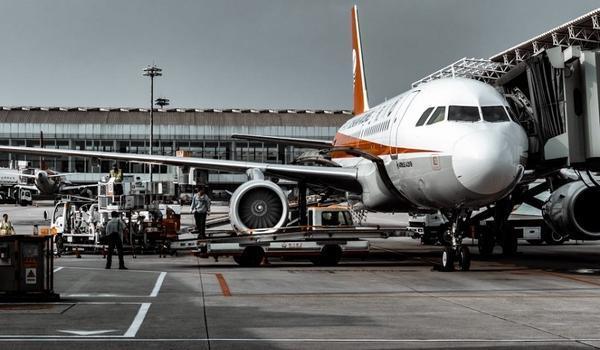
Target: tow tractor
column 329, row 236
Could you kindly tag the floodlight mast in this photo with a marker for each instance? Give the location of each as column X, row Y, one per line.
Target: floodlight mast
column 152, row 71
column 162, row 102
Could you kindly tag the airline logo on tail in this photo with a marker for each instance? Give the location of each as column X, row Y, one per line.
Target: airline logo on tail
column 361, row 101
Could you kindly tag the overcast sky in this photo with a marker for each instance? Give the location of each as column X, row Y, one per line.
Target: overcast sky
column 247, row 53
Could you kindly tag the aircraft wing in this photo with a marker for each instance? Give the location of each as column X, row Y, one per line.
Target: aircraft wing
column 288, row 141
column 335, row 177
column 77, row 187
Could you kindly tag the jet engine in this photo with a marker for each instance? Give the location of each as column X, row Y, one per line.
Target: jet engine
column 258, row 204
column 573, row 209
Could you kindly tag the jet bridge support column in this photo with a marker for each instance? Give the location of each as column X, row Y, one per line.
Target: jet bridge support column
column 302, row 219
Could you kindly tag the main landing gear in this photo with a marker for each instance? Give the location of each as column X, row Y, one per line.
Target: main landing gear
column 455, row 251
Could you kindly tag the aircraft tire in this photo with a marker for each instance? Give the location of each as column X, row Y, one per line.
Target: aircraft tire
column 252, row 256
column 510, row 244
column 552, row 238
column 464, row 258
column 447, row 261
column 331, row 255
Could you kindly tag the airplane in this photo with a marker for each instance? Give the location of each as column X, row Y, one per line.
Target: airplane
column 44, row 182
column 450, row 145
column 48, row 182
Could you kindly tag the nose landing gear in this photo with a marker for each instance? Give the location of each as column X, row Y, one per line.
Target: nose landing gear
column 455, row 251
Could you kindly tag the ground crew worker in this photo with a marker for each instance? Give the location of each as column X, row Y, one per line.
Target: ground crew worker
column 200, row 207
column 114, row 234
column 116, row 175
column 6, row 227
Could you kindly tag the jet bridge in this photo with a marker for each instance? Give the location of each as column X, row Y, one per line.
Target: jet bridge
column 552, row 83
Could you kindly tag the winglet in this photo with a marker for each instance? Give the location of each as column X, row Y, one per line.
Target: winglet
column 361, row 101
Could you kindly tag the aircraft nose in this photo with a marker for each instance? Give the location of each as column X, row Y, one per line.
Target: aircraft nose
column 486, row 163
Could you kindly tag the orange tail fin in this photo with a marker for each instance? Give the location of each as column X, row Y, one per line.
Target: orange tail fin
column 361, row 101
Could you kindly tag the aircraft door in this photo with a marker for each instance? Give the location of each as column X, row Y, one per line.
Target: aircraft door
column 397, row 117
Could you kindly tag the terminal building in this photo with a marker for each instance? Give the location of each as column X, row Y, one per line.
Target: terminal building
column 205, row 133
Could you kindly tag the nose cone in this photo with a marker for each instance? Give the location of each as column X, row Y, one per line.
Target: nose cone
column 486, row 162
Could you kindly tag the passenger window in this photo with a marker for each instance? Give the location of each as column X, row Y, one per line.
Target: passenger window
column 494, row 114
column 463, row 114
column 438, row 115
column 424, row 116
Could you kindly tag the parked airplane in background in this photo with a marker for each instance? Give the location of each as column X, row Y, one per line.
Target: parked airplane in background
column 20, row 184
column 448, row 145
column 48, row 182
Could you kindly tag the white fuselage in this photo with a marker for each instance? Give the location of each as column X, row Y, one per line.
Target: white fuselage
column 467, row 152
column 45, row 184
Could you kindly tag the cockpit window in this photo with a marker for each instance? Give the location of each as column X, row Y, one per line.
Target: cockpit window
column 494, row 114
column 438, row 115
column 463, row 114
column 512, row 115
column 424, row 116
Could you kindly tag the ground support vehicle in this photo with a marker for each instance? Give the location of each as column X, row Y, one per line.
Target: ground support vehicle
column 323, row 246
column 329, row 236
column 149, row 210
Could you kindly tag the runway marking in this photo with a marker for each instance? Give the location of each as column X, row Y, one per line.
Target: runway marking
column 57, row 269
column 105, row 338
column 158, row 284
column 103, row 269
column 102, row 295
column 137, row 321
column 224, row 287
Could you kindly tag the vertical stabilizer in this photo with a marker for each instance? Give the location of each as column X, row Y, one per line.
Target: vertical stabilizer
column 361, row 101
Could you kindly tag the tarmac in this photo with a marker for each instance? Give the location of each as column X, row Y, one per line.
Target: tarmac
column 546, row 296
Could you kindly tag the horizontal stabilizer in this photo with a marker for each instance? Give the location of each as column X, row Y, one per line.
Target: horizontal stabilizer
column 286, row 141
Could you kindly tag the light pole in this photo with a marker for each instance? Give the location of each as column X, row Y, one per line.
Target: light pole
column 152, row 71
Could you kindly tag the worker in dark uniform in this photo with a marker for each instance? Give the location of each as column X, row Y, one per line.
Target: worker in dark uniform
column 200, row 207
column 114, row 233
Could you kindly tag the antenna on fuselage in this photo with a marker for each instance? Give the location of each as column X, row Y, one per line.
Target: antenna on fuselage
column 360, row 98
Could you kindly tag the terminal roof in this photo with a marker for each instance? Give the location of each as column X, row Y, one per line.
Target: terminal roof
column 179, row 110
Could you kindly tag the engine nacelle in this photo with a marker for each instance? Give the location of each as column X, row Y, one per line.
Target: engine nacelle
column 573, row 209
column 258, row 204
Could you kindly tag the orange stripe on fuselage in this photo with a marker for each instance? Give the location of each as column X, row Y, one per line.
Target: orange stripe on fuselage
column 370, row 147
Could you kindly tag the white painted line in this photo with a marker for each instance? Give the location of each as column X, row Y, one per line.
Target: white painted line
column 87, row 303
column 158, row 284
column 102, row 295
column 103, row 269
column 137, row 321
column 58, row 269
column 104, row 338
column 87, row 333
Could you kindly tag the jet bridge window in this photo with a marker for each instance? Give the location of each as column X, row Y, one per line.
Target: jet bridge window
column 438, row 115
column 463, row 114
column 424, row 116
column 494, row 114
